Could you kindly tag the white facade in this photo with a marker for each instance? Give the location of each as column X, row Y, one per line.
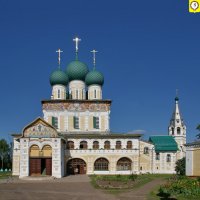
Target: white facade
column 192, row 159
column 125, row 154
column 189, row 161
column 74, row 135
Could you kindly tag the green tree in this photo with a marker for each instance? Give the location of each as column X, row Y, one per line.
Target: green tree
column 4, row 151
column 198, row 135
column 180, row 166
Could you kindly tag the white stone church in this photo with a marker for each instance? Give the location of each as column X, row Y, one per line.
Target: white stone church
column 74, row 135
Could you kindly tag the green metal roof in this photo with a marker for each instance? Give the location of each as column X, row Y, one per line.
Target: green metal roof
column 164, row 143
column 58, row 77
column 94, row 77
column 77, row 70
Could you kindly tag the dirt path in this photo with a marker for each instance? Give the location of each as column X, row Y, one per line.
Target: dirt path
column 142, row 192
column 73, row 187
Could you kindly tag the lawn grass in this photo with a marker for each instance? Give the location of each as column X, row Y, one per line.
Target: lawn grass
column 5, row 175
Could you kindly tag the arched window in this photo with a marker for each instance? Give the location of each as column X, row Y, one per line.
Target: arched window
column 124, row 164
column 118, row 145
column 172, row 131
column 107, row 144
column 70, row 95
column 101, row 164
column 129, row 145
column 70, row 145
column 83, row 145
column 96, row 122
column 157, row 156
column 55, row 122
column 83, row 94
column 76, row 122
column 95, row 94
column 95, row 145
column 168, row 158
column 178, row 131
column 58, row 93
column 146, row 150
column 76, row 94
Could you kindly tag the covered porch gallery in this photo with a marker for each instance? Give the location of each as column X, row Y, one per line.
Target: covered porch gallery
column 40, row 153
column 101, row 165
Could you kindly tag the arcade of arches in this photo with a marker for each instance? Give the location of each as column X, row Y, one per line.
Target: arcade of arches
column 79, row 166
column 40, row 161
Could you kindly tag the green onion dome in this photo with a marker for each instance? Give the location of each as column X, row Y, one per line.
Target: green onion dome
column 58, row 77
column 94, row 77
column 77, row 70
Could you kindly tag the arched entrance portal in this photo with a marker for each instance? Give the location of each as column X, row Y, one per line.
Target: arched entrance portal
column 40, row 161
column 76, row 166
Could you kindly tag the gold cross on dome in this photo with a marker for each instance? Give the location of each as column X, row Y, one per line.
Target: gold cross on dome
column 94, row 56
column 76, row 40
column 59, row 52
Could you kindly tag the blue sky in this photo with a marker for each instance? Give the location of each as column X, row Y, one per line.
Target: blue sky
column 147, row 50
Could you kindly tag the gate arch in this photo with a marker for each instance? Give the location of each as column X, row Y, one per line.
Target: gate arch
column 76, row 166
column 40, row 160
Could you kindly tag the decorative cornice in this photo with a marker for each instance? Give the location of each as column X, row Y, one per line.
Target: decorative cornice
column 76, row 105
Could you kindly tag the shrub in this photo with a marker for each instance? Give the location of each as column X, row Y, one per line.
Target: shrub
column 133, row 177
column 180, row 186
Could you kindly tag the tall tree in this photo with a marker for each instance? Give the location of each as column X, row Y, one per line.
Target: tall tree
column 4, row 151
column 198, row 135
column 180, row 166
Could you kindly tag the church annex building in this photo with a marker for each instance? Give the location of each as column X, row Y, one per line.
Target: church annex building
column 74, row 135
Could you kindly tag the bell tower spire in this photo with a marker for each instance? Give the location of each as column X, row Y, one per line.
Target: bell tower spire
column 177, row 128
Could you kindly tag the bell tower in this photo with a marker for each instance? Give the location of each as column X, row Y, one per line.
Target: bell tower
column 177, row 129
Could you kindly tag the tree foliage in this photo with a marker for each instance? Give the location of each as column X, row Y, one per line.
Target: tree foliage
column 180, row 166
column 198, row 135
column 5, row 154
